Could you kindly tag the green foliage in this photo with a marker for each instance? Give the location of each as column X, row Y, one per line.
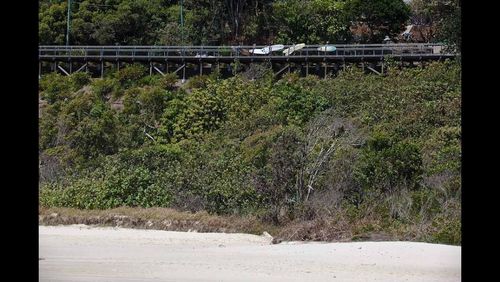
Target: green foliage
column 52, row 22
column 387, row 165
column 205, row 112
column 254, row 145
column 195, row 82
column 241, row 98
column 206, row 22
column 447, row 230
column 105, row 87
column 168, row 81
column 311, row 21
column 294, row 104
column 54, row 87
column 443, row 150
column 383, row 17
column 223, row 177
column 278, row 163
column 79, row 80
column 170, row 118
column 449, row 23
column 95, row 134
column 444, row 16
column 131, row 178
column 118, row 187
column 152, row 102
column 128, row 76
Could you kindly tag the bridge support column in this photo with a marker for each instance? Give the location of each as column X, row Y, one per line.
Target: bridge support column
column 70, row 67
column 201, row 68
column 63, row 70
column 102, row 69
column 150, row 68
column 158, row 70
column 184, row 73
column 280, row 71
column 373, row 69
column 82, row 67
column 118, row 65
column 326, row 65
column 307, row 68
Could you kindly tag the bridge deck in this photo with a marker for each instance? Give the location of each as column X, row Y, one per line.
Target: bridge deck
column 209, row 54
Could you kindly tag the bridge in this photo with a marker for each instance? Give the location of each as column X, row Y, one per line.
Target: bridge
column 204, row 59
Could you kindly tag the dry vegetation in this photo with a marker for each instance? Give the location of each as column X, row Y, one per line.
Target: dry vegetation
column 335, row 229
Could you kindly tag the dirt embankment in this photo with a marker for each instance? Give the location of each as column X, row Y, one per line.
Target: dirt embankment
column 154, row 218
column 327, row 229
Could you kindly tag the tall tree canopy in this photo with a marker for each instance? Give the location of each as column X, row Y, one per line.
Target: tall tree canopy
column 213, row 22
column 382, row 17
column 311, row 21
column 443, row 15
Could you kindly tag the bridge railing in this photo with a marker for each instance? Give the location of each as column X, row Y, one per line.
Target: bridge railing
column 234, row 52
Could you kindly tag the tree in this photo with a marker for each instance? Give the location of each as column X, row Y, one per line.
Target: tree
column 52, row 23
column 447, row 15
column 103, row 22
column 442, row 15
column 381, row 17
column 315, row 21
column 450, row 26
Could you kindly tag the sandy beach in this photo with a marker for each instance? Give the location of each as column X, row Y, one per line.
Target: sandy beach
column 83, row 253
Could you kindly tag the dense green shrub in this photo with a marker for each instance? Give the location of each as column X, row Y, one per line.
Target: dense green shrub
column 197, row 82
column 294, row 104
column 381, row 147
column 130, row 75
column 54, row 87
column 79, row 80
column 105, row 87
column 205, row 112
column 388, row 165
column 168, row 81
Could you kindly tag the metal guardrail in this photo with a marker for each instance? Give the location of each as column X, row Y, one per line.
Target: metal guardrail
column 237, row 52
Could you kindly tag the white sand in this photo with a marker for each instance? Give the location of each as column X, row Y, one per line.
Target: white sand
column 81, row 253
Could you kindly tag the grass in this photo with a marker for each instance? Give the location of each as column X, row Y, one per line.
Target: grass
column 155, row 218
column 340, row 228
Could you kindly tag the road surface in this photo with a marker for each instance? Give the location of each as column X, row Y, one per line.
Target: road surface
column 82, row 253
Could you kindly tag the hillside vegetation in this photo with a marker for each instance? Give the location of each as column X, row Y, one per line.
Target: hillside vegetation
column 245, row 22
column 323, row 159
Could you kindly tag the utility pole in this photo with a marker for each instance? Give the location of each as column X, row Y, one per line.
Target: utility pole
column 68, row 26
column 182, row 24
column 182, row 44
